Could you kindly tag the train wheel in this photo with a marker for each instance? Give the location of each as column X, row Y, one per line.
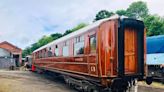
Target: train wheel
column 92, row 88
column 119, row 85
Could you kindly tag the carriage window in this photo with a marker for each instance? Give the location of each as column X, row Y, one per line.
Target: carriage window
column 49, row 54
column 45, row 53
column 79, row 45
column 66, row 48
column 81, row 38
column 56, row 51
column 40, row 54
column 93, row 44
column 37, row 54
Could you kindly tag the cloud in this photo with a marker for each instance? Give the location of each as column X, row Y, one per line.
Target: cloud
column 23, row 22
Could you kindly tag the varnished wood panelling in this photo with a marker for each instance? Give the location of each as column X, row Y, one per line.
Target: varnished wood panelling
column 130, row 50
column 71, row 67
column 107, row 48
column 92, row 58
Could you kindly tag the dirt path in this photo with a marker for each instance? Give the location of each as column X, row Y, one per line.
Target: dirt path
column 25, row 81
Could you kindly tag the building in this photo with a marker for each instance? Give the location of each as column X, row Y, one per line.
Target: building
column 10, row 55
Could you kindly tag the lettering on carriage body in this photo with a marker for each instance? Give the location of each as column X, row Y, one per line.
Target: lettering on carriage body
column 93, row 69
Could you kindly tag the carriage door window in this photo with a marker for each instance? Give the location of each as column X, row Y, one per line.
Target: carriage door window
column 49, row 52
column 66, row 49
column 56, row 51
column 79, row 45
column 37, row 54
column 40, row 54
column 93, row 43
column 44, row 53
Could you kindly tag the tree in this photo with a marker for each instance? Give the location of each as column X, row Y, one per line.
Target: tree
column 44, row 40
column 56, row 36
column 67, row 32
column 79, row 26
column 154, row 24
column 26, row 51
column 34, row 46
column 137, row 10
column 121, row 12
column 103, row 14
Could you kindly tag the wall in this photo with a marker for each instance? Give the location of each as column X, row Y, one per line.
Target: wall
column 4, row 53
column 6, row 63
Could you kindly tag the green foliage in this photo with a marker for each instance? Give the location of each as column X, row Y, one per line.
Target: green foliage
column 26, row 51
column 154, row 24
column 103, row 14
column 81, row 25
column 137, row 10
column 56, row 36
column 43, row 41
column 67, row 32
column 34, row 46
column 121, row 12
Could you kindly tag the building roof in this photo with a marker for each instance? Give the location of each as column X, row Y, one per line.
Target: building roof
column 10, row 47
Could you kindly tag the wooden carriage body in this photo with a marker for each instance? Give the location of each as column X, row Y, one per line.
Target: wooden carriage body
column 107, row 49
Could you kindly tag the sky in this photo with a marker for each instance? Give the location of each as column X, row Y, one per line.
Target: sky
column 24, row 22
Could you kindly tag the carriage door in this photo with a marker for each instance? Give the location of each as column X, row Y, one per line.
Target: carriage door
column 131, row 47
column 130, row 50
column 92, row 62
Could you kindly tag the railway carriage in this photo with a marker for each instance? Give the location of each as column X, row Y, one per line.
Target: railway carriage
column 110, row 53
column 155, row 57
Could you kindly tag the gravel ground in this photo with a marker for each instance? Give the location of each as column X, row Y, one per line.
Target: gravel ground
column 25, row 81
